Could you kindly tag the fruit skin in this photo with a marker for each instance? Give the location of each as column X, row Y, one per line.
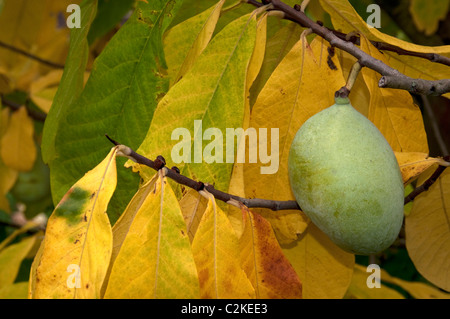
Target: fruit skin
column 346, row 179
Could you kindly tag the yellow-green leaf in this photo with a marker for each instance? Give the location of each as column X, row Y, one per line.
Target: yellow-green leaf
column 17, row 146
column 10, row 259
column 155, row 259
column 428, row 231
column 269, row 271
column 301, row 85
column 14, row 291
column 418, row 290
column 216, row 253
column 427, row 14
column 212, row 92
column 184, row 43
column 393, row 111
column 78, row 239
column 325, row 269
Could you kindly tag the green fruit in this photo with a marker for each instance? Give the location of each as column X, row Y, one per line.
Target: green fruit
column 346, row 179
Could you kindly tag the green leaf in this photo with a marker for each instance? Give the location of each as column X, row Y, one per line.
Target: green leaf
column 109, row 14
column 211, row 92
column 71, row 84
column 127, row 80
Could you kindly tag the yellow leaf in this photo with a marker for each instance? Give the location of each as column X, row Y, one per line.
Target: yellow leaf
column 11, row 258
column 358, row 288
column 37, row 34
column 155, row 259
column 18, row 150
column 393, row 111
column 44, row 89
column 325, row 269
column 216, row 253
column 8, row 177
column 78, row 238
column 300, row 86
column 412, row 164
column 346, row 19
column 269, row 271
column 192, row 205
column 237, row 183
column 418, row 290
column 428, row 231
column 122, row 225
column 426, row 14
column 184, row 43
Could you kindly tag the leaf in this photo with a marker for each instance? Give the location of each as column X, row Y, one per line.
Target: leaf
column 109, row 14
column 155, row 260
column 14, row 291
column 38, row 34
column 11, row 258
column 216, row 253
column 285, row 104
column 346, row 19
column 276, row 49
column 78, row 238
column 71, row 83
column 184, row 43
column 8, row 176
column 393, row 111
column 120, row 96
column 192, row 205
column 269, row 271
column 325, row 269
column 43, row 90
column 18, row 150
column 428, row 231
column 426, row 14
column 211, row 92
column 358, row 288
column 418, row 290
column 412, row 164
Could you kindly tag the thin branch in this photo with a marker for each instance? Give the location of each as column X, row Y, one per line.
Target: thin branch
column 38, row 116
column 31, row 56
column 175, row 175
column 391, row 78
column 427, row 184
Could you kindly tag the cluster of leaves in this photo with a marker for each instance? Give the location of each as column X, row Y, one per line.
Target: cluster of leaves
column 172, row 62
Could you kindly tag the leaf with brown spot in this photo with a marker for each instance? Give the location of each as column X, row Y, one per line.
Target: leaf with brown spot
column 269, row 271
column 72, row 245
column 216, row 253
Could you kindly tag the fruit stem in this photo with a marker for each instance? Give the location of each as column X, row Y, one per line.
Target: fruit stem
column 351, row 79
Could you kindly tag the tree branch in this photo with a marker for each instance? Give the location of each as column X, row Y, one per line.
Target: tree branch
column 38, row 116
column 427, row 184
column 391, row 78
column 31, row 56
column 175, row 175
